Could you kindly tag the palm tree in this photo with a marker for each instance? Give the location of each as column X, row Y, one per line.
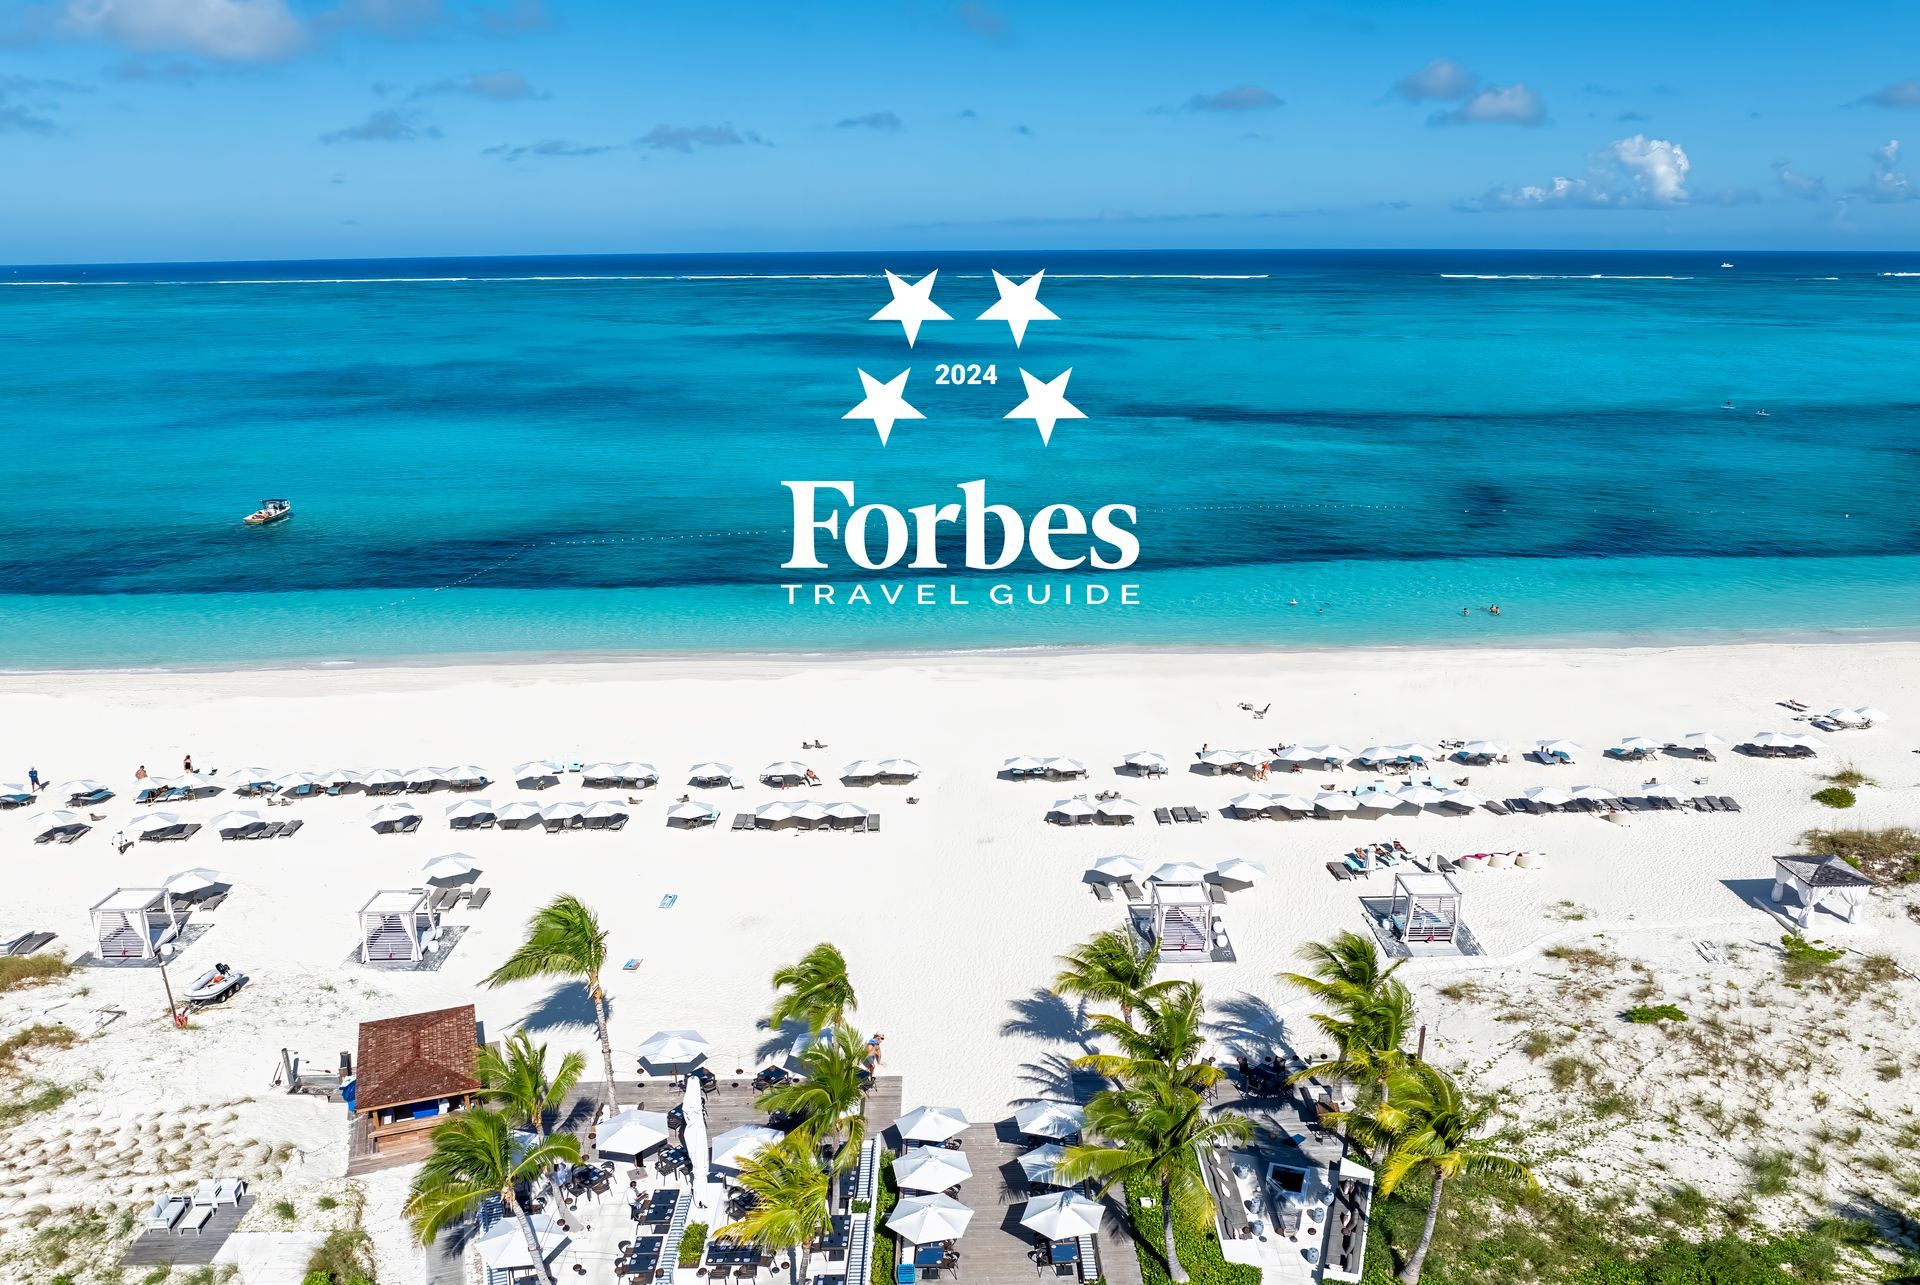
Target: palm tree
column 1149, row 1128
column 565, row 939
column 1168, row 1031
column 830, row 1098
column 515, row 1079
column 1370, row 1011
column 1112, row 967
column 815, row 990
column 1343, row 971
column 475, row 1156
column 792, row 1207
column 1427, row 1127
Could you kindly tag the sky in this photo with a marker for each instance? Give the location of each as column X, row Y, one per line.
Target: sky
column 170, row 130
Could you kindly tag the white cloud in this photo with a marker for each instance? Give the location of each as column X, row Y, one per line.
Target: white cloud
column 501, row 86
column 1496, row 105
column 1240, row 98
column 232, row 30
column 1637, row 173
column 1902, row 93
column 1889, row 183
column 1442, row 80
column 1805, row 187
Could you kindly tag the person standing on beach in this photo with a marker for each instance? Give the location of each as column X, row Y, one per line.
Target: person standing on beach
column 873, row 1053
column 140, row 773
column 186, row 764
column 34, row 782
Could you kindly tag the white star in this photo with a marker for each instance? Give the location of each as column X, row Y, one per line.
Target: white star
column 912, row 304
column 1046, row 403
column 884, row 403
column 1019, row 304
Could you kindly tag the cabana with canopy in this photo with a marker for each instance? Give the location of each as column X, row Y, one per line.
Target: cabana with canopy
column 1818, row 882
column 133, row 923
column 1425, row 908
column 398, row 926
column 1182, row 916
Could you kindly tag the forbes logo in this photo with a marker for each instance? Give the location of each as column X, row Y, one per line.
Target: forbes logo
column 878, row 536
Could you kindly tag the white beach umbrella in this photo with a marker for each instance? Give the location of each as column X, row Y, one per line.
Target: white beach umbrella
column 1050, row 1119
column 1119, row 867
column 1291, row 802
column 339, row 776
column 1807, row 742
column 1550, row 796
column 466, row 774
column 900, row 767
column 1560, row 746
column 1658, row 790
column 188, row 882
column 518, row 811
column 601, row 771
column 300, row 780
column 1300, row 754
column 60, row 819
column 603, row 811
column 1867, row 713
column 1378, row 753
column 674, row 1048
column 15, row 790
column 80, row 785
column 1492, row 749
column 1179, row 872
column 1222, row 758
column 732, row 1149
column 563, row 811
column 426, row 776
column 1062, row 1215
column 1042, row 1164
column 391, row 813
column 250, row 778
column 1418, row 794
column 637, row 771
column 1236, row 870
column 861, row 770
column 468, row 809
column 454, row 865
column 809, row 811
column 536, row 775
column 1118, row 809
column 691, row 810
column 1416, row 750
column 1702, row 740
column 921, row 1220
column 931, row 1124
column 926, row 1168
column 632, row 1132
column 382, row 776
column 1592, row 793
column 504, row 1248
column 153, row 823
column 234, row 822
column 1465, row 798
column 1636, row 745
column 1250, row 802
column 1334, row 752
column 1062, row 763
column 778, row 810
column 710, row 772
column 1022, row 763
column 841, row 811
column 786, row 770
column 1071, row 809
column 1335, row 801
column 1144, row 758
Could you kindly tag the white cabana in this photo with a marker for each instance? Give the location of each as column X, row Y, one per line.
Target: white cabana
column 928, row 1168
column 467, row 777
column 504, row 1247
column 734, row 1148
column 382, row 780
column 1702, row 740
column 338, row 779
column 632, row 1132
column 1418, row 752
column 1488, row 750
column 82, row 788
column 229, row 824
column 1425, row 907
column 617, row 776
column 1058, row 1120
column 1817, row 882
column 302, row 784
column 674, row 1048
column 1632, row 745
column 452, row 866
column 425, row 778
column 931, row 1124
column 392, row 818
column 563, row 813
column 1377, row 754
column 900, row 767
column 1591, row 794
column 1301, row 754
column 1297, row 804
column 1236, row 870
column 1070, row 811
column 1119, row 868
column 398, row 926
column 1228, row 760
column 604, row 815
column 923, row 1220
column 1062, row 1215
column 691, row 813
column 1022, row 765
column 1335, row 801
column 861, row 770
column 1660, row 790
column 1042, row 1165
column 133, row 923
column 535, row 776
column 847, row 814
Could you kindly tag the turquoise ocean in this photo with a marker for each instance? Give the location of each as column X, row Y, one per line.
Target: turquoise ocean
column 584, row 455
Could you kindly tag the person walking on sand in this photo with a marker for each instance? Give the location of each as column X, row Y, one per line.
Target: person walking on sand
column 873, row 1053
column 186, row 765
column 34, row 782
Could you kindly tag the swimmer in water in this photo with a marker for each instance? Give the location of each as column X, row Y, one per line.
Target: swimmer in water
column 1293, row 602
column 1727, row 404
column 1761, row 412
column 1493, row 610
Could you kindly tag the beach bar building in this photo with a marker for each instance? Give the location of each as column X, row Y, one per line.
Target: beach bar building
column 397, row 926
column 1817, row 882
column 1426, row 907
column 413, row 1071
column 132, row 923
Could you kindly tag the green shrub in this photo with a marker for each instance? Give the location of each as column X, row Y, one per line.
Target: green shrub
column 1647, row 1014
column 1834, row 796
column 30, row 970
column 1802, row 959
column 344, row 1257
column 693, row 1243
column 1195, row 1240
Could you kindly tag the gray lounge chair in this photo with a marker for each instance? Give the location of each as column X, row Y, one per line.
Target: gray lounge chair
column 1163, row 816
column 288, row 828
column 479, row 898
column 873, row 822
column 1102, row 890
column 1728, row 805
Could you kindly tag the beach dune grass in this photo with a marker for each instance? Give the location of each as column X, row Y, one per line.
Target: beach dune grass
column 17, row 971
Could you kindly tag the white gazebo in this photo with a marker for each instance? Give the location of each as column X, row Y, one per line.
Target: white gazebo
column 1182, row 916
column 396, row 926
column 133, row 923
column 1817, row 882
column 1426, row 907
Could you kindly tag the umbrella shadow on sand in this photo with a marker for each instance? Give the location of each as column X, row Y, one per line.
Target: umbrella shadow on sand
column 568, row 1004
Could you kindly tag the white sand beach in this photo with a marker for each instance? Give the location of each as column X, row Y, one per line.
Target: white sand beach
column 952, row 914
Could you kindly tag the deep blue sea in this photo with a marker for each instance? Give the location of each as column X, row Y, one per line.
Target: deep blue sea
column 585, row 454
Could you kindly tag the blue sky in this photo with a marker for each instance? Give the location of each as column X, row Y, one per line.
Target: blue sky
column 226, row 129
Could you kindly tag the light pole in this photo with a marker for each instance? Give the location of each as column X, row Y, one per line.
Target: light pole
column 173, row 1012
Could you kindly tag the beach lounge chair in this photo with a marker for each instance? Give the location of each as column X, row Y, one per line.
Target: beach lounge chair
column 1339, row 870
column 25, row 943
column 1102, row 890
column 445, row 899
column 68, row 836
column 873, row 823
column 1498, row 808
column 1131, row 889
column 1197, row 814
column 289, row 828
column 743, row 820
column 1728, row 805
column 479, row 898
column 1216, row 894
column 1704, row 805
column 211, row 903
column 1163, row 816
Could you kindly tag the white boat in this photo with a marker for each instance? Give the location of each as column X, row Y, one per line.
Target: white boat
column 215, row 986
column 270, row 511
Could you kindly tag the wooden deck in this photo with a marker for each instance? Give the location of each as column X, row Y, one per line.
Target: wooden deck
column 155, row 1249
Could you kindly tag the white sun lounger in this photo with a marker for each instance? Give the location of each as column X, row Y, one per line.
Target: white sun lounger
column 165, row 1213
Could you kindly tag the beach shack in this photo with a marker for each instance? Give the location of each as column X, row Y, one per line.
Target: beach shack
column 413, row 1071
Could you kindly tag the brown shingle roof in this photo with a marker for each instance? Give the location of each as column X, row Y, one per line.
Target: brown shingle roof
column 416, row 1058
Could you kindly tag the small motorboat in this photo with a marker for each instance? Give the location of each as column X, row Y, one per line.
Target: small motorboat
column 269, row 512
column 215, row 986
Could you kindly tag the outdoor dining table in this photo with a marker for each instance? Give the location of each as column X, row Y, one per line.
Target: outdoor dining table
column 929, row 1255
column 1064, row 1251
column 656, row 1208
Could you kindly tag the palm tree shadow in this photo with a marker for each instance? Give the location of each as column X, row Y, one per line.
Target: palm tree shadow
column 1249, row 1026
column 568, row 1004
column 778, row 1040
column 1042, row 1015
column 1053, row 1077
